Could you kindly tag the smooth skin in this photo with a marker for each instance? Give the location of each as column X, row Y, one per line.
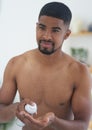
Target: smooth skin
column 60, row 85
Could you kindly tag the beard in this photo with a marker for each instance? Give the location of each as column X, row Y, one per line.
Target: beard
column 46, row 50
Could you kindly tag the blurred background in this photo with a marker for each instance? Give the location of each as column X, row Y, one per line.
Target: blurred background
column 17, row 32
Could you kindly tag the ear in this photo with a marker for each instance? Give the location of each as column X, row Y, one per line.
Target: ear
column 67, row 34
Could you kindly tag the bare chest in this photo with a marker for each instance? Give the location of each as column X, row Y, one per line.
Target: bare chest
column 51, row 88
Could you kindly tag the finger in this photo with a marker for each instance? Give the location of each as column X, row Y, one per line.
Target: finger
column 20, row 114
column 21, row 106
column 38, row 122
column 49, row 117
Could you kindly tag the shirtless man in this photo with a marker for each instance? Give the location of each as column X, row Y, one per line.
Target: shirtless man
column 59, row 84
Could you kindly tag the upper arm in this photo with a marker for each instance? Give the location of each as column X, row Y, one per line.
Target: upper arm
column 81, row 101
column 8, row 89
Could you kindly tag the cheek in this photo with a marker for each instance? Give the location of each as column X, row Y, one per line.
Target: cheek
column 58, row 42
column 59, row 39
column 37, row 35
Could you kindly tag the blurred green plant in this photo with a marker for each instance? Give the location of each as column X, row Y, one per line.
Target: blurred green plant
column 80, row 54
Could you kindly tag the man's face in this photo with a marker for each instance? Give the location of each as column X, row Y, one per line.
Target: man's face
column 50, row 34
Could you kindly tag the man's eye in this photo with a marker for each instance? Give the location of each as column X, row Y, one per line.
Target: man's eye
column 56, row 30
column 41, row 27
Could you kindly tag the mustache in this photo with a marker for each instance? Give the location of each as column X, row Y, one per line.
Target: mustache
column 47, row 41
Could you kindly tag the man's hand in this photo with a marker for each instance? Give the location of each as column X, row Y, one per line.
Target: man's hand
column 29, row 120
column 37, row 123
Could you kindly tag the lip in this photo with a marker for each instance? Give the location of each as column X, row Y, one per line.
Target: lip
column 46, row 44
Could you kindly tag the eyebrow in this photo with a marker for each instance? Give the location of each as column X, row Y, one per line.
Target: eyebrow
column 40, row 24
column 52, row 27
column 56, row 28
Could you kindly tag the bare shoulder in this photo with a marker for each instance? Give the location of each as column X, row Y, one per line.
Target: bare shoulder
column 20, row 59
column 79, row 72
column 77, row 66
column 18, row 62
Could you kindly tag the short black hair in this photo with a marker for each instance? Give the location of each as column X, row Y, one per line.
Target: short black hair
column 58, row 10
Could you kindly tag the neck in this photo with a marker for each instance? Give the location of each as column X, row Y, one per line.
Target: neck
column 49, row 59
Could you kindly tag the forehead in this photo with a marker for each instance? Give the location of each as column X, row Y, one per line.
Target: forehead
column 51, row 21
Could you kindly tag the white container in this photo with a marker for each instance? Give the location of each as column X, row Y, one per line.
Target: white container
column 31, row 109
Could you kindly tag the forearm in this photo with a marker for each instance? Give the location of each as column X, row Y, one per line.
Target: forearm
column 8, row 112
column 60, row 124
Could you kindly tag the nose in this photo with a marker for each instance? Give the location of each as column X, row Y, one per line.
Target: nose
column 47, row 35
